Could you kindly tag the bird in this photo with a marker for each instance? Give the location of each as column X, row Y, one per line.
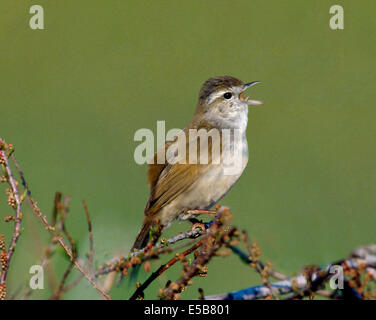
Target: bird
column 181, row 187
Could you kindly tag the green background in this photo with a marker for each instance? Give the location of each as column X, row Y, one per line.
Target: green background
column 73, row 95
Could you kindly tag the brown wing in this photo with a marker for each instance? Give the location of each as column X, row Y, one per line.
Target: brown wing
column 167, row 181
column 155, row 169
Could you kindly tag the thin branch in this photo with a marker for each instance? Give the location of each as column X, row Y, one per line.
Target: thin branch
column 216, row 236
column 17, row 207
column 147, row 253
column 57, row 295
column 79, row 268
column 73, row 283
column 163, row 268
column 247, row 259
column 50, row 249
column 91, row 240
column 50, row 228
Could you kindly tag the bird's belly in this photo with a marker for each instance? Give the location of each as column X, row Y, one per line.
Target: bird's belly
column 213, row 186
column 205, row 192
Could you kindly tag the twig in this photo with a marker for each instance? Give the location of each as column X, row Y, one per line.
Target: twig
column 60, row 290
column 245, row 258
column 17, row 223
column 215, row 238
column 53, row 240
column 163, row 268
column 91, row 253
column 50, row 228
column 254, row 251
column 57, row 208
column 24, row 183
column 79, row 268
column 73, row 283
column 40, row 215
column 118, row 263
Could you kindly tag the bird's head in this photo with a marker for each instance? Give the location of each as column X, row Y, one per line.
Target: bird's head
column 223, row 98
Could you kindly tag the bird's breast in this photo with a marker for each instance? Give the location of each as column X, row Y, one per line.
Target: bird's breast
column 218, row 179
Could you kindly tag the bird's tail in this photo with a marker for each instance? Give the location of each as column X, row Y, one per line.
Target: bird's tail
column 140, row 243
column 142, row 237
column 150, row 232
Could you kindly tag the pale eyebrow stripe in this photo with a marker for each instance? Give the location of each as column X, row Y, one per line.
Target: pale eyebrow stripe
column 214, row 96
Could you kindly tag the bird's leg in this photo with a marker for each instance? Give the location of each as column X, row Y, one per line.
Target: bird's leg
column 199, row 223
column 196, row 223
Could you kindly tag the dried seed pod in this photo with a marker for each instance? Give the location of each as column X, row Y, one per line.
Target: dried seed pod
column 147, row 266
column 125, row 272
column 3, row 291
column 12, row 201
column 9, row 218
column 2, row 242
column 3, row 260
column 174, row 286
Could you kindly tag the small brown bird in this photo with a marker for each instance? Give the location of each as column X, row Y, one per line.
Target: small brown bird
column 181, row 188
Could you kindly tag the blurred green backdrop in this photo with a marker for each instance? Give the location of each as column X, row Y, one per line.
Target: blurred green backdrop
column 73, row 95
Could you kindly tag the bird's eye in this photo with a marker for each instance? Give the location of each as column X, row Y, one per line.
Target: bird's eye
column 227, row 95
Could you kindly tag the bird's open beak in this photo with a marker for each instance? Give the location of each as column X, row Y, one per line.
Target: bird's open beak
column 251, row 102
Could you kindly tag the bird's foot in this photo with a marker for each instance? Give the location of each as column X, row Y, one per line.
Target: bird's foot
column 199, row 225
column 204, row 225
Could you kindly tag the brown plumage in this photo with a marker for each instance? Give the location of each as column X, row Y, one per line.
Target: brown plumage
column 166, row 182
column 176, row 188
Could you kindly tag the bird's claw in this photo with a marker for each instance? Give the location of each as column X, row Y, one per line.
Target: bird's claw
column 199, row 225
